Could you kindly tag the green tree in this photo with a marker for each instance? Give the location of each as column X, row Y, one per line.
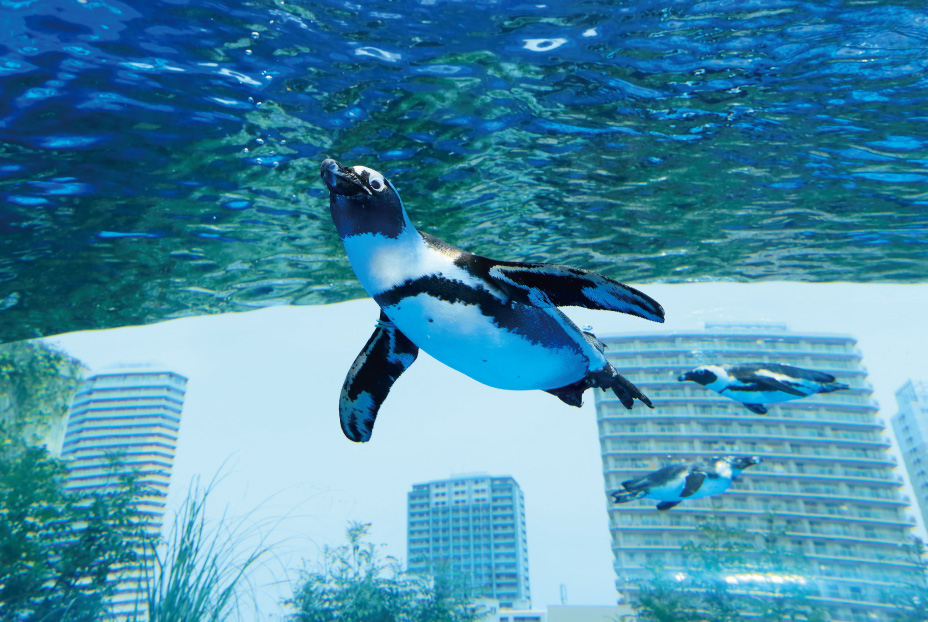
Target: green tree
column 60, row 551
column 911, row 600
column 354, row 584
column 37, row 383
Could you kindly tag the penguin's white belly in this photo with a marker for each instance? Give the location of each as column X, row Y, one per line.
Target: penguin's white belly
column 673, row 492
column 464, row 338
column 762, row 397
column 711, row 486
column 667, row 493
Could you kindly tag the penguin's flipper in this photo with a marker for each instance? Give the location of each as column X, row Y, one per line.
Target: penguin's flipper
column 759, row 409
column 554, row 285
column 789, row 371
column 762, row 379
column 663, row 506
column 387, row 354
column 657, row 479
column 693, row 483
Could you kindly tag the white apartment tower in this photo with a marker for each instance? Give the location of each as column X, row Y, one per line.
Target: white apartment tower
column 472, row 529
column 826, row 474
column 124, row 420
column 910, row 425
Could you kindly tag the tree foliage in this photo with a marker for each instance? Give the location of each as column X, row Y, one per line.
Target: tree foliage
column 729, row 578
column 911, row 600
column 354, row 584
column 60, row 551
column 37, row 383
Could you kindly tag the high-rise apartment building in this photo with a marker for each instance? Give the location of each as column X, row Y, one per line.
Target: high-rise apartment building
column 826, row 475
column 910, row 425
column 472, row 529
column 121, row 421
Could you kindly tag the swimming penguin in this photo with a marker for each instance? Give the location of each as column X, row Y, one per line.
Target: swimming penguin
column 753, row 384
column 496, row 321
column 678, row 482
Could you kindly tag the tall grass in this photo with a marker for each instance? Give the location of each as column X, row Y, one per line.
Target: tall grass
column 197, row 575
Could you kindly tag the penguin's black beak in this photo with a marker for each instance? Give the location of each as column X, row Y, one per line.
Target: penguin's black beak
column 340, row 179
column 683, row 377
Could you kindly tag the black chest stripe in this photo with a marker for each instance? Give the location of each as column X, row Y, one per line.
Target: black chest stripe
column 528, row 322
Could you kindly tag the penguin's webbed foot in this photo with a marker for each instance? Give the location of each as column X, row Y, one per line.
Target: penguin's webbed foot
column 624, row 496
column 608, row 379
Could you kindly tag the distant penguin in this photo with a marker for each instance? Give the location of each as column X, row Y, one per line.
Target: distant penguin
column 679, row 482
column 495, row 321
column 754, row 384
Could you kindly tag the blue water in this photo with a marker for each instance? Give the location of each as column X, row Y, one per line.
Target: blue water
column 160, row 159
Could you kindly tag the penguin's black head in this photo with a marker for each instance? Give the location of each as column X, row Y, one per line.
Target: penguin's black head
column 701, row 375
column 743, row 462
column 362, row 200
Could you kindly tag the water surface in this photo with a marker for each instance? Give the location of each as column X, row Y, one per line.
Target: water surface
column 159, row 159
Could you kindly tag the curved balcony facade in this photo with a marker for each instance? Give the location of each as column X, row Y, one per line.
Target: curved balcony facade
column 826, row 474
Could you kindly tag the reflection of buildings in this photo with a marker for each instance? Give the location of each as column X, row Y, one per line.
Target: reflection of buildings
column 121, row 421
column 826, row 473
column 911, row 427
column 472, row 528
column 492, row 612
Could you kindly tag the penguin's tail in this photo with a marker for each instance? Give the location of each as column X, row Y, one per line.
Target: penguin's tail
column 834, row 386
column 608, row 378
column 624, row 496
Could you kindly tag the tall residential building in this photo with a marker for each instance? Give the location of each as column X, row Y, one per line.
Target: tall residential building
column 121, row 421
column 826, row 475
column 910, row 425
column 472, row 529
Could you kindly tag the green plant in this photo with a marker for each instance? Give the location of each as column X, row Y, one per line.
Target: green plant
column 197, row 574
column 61, row 552
column 353, row 584
column 910, row 601
column 37, row 383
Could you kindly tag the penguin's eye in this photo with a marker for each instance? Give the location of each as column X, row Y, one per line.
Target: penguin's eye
column 376, row 185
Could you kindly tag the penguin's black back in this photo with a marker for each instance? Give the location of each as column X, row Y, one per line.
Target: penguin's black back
column 748, row 369
column 657, row 478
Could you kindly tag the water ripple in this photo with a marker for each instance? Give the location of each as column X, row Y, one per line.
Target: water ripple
column 160, row 160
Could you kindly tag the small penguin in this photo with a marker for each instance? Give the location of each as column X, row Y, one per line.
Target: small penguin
column 495, row 321
column 753, row 384
column 675, row 483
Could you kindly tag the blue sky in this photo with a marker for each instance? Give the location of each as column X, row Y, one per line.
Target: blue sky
column 261, row 409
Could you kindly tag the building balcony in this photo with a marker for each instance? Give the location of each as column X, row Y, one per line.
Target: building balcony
column 690, row 454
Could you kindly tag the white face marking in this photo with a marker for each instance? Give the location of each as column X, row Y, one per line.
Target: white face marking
column 722, row 381
column 374, row 179
column 381, row 263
